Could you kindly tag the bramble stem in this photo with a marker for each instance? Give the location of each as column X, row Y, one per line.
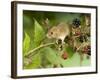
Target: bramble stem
column 30, row 53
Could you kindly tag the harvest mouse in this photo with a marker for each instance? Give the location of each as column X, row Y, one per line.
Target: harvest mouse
column 59, row 32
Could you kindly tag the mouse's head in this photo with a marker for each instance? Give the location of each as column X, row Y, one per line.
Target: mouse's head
column 53, row 32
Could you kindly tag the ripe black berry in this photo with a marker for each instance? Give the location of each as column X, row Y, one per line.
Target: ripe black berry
column 82, row 38
column 89, row 50
column 76, row 23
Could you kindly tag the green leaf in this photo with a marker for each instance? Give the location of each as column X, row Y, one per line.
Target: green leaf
column 39, row 34
column 51, row 55
column 70, row 51
column 28, row 25
column 26, row 44
column 86, row 62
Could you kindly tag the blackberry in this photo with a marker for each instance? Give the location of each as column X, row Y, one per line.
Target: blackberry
column 89, row 50
column 82, row 38
column 76, row 23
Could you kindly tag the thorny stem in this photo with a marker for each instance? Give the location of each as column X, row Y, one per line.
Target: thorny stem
column 30, row 53
column 81, row 45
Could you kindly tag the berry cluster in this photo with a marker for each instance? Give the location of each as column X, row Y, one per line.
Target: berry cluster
column 76, row 23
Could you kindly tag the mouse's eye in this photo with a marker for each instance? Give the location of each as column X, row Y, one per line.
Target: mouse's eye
column 51, row 32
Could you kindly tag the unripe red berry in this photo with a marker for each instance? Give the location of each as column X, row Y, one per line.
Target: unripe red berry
column 64, row 56
column 77, row 33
